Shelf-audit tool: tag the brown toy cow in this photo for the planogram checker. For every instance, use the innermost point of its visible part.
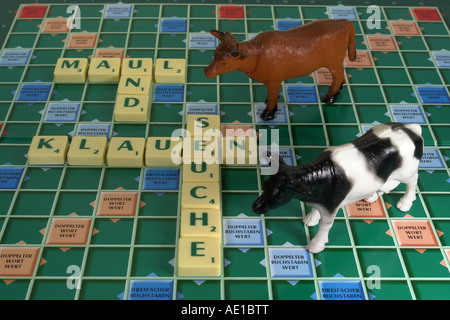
(274, 56)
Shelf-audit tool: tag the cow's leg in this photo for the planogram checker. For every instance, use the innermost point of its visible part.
(317, 244)
(273, 90)
(312, 218)
(388, 187)
(372, 198)
(336, 85)
(405, 202)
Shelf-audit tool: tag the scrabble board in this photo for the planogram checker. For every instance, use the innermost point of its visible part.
(108, 232)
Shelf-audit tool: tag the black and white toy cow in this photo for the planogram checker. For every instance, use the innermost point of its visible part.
(373, 164)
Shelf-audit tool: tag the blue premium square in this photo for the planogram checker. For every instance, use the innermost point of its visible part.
(433, 95)
(290, 262)
(118, 11)
(341, 290)
(243, 232)
(62, 112)
(343, 12)
(173, 25)
(288, 24)
(15, 57)
(280, 114)
(151, 290)
(442, 59)
(168, 93)
(202, 41)
(408, 113)
(431, 160)
(93, 130)
(285, 153)
(34, 92)
(161, 179)
(301, 94)
(10, 177)
(205, 109)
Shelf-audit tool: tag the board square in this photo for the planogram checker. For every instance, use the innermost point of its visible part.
(286, 24)
(364, 209)
(55, 26)
(231, 12)
(18, 261)
(33, 11)
(82, 40)
(94, 129)
(34, 92)
(407, 113)
(204, 109)
(173, 25)
(117, 204)
(150, 290)
(431, 159)
(442, 59)
(118, 11)
(301, 94)
(202, 41)
(237, 130)
(285, 153)
(323, 76)
(62, 112)
(383, 43)
(343, 12)
(362, 60)
(433, 95)
(15, 56)
(426, 14)
(408, 28)
(168, 93)
(10, 177)
(69, 231)
(341, 290)
(161, 179)
(243, 232)
(280, 114)
(415, 233)
(110, 53)
(290, 262)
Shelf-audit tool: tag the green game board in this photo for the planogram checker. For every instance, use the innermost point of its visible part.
(402, 74)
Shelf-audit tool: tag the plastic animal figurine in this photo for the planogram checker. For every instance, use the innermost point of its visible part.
(273, 56)
(373, 164)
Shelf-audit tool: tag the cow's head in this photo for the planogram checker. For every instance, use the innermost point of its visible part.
(228, 55)
(279, 189)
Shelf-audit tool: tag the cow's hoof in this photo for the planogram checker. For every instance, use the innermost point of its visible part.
(312, 219)
(268, 115)
(330, 100)
(404, 204)
(315, 247)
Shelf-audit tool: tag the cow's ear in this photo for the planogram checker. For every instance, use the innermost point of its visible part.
(218, 34)
(230, 37)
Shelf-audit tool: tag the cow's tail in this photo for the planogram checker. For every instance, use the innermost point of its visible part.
(351, 41)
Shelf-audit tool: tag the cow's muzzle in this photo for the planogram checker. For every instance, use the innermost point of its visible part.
(209, 72)
(259, 206)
